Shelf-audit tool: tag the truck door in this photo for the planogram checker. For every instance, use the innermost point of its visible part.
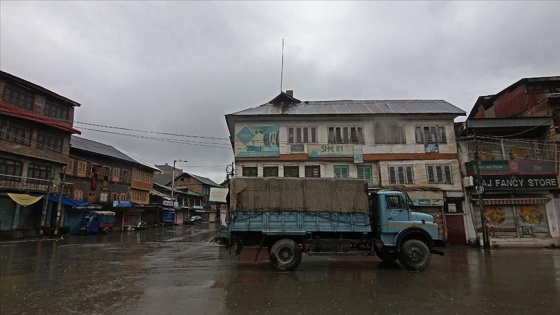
(397, 214)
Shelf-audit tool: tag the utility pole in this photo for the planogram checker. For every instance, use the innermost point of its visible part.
(45, 206)
(59, 208)
(480, 188)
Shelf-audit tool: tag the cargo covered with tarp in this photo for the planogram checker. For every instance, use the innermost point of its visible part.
(266, 194)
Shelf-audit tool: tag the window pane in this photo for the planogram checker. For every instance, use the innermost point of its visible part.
(291, 171)
(313, 137)
(270, 171)
(331, 135)
(290, 135)
(298, 135)
(305, 135)
(431, 174)
(419, 138)
(409, 175)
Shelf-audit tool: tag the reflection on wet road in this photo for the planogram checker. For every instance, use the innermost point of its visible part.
(179, 270)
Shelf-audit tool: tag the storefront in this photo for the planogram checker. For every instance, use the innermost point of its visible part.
(519, 210)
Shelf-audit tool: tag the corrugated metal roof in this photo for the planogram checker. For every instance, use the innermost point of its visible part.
(98, 148)
(204, 180)
(355, 107)
(102, 149)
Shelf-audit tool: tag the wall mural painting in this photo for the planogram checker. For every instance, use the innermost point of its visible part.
(531, 214)
(495, 215)
(256, 140)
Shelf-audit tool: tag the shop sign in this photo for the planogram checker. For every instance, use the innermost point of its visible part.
(122, 204)
(330, 150)
(427, 202)
(519, 182)
(504, 167)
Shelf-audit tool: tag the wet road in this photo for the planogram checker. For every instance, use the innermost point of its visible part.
(179, 270)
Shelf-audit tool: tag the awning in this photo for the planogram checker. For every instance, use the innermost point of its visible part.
(514, 201)
(69, 201)
(24, 199)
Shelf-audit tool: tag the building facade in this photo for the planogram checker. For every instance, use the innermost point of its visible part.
(401, 144)
(104, 176)
(519, 138)
(35, 129)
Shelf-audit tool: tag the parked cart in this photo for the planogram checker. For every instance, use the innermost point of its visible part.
(97, 221)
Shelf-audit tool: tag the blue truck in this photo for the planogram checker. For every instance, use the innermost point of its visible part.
(326, 216)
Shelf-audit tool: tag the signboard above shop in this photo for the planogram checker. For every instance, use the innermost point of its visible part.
(505, 167)
(513, 182)
(122, 204)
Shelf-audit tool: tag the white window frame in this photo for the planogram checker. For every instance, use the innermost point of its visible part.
(427, 134)
(440, 174)
(343, 135)
(302, 134)
(403, 174)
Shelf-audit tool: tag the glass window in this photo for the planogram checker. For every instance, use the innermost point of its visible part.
(250, 171)
(439, 174)
(365, 172)
(305, 134)
(15, 133)
(345, 135)
(430, 134)
(56, 109)
(11, 168)
(388, 133)
(312, 171)
(395, 202)
(38, 173)
(341, 171)
(270, 171)
(49, 141)
(18, 96)
(291, 171)
(401, 174)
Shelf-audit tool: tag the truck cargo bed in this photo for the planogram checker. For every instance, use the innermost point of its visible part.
(297, 222)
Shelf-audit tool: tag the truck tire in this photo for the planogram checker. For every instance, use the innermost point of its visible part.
(385, 255)
(285, 255)
(415, 255)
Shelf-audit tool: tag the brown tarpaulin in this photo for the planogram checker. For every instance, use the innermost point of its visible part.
(298, 194)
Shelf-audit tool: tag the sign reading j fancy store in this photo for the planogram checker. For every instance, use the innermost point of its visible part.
(513, 182)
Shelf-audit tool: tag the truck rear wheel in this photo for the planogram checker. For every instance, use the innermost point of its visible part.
(285, 255)
(415, 255)
(385, 255)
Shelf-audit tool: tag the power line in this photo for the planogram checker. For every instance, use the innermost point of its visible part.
(154, 132)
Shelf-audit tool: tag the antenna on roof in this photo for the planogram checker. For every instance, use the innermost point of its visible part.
(282, 69)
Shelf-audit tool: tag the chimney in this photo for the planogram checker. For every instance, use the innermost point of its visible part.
(290, 93)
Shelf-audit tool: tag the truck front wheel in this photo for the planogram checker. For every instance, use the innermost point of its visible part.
(415, 255)
(285, 255)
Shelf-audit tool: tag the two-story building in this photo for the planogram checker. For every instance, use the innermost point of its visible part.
(404, 144)
(35, 129)
(101, 174)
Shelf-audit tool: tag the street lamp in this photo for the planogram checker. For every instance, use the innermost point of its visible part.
(173, 181)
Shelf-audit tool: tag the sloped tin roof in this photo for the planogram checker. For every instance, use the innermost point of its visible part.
(87, 145)
(356, 107)
(205, 180)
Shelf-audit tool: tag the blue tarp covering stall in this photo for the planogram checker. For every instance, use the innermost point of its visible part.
(72, 218)
(69, 201)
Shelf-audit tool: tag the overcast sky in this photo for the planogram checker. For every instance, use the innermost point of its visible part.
(179, 67)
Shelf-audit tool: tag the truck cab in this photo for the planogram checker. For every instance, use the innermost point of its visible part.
(395, 223)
